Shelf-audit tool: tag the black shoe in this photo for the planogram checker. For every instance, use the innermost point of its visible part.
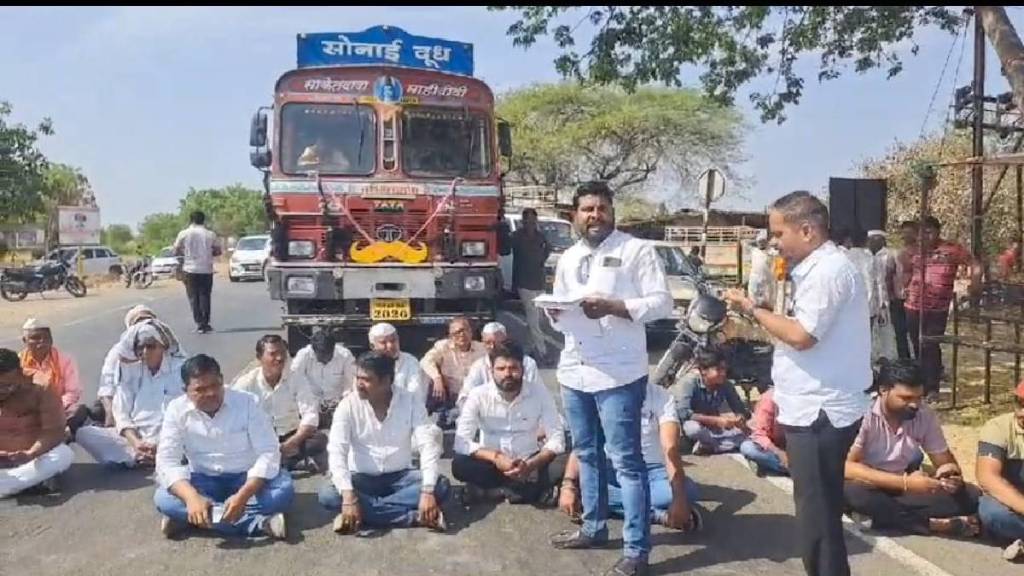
(576, 540)
(628, 567)
(206, 329)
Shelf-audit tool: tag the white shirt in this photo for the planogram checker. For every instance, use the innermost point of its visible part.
(328, 382)
(141, 397)
(359, 443)
(481, 373)
(612, 351)
(659, 408)
(864, 260)
(290, 404)
(410, 377)
(830, 302)
(238, 438)
(510, 427)
(109, 374)
(198, 244)
(885, 266)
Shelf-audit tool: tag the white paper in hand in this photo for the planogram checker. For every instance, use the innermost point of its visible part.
(552, 302)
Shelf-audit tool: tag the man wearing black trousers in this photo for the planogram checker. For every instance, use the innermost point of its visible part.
(821, 368)
(198, 246)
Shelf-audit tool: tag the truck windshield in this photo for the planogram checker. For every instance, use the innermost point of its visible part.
(328, 138)
(445, 143)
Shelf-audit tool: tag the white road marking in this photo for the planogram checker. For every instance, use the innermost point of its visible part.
(883, 544)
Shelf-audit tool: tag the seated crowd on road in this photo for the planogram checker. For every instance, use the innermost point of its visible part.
(223, 451)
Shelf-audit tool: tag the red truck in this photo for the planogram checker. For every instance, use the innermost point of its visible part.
(383, 186)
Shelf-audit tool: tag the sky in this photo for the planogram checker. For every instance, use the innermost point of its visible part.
(150, 101)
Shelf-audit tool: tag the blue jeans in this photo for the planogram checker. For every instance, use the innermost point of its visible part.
(276, 496)
(608, 422)
(719, 441)
(385, 501)
(998, 519)
(766, 461)
(658, 484)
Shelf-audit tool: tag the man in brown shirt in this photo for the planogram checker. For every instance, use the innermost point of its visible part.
(447, 364)
(31, 431)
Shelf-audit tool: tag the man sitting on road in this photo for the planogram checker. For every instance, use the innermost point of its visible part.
(233, 458)
(287, 397)
(31, 431)
(447, 365)
(510, 415)
(700, 395)
(673, 495)
(370, 449)
(766, 447)
(329, 368)
(408, 374)
(103, 415)
(142, 392)
(481, 372)
(1000, 472)
(53, 370)
(880, 482)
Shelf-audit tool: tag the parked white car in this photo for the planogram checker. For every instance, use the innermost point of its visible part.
(249, 258)
(97, 260)
(559, 234)
(165, 264)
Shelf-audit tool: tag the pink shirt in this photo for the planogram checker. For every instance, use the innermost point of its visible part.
(889, 450)
(765, 430)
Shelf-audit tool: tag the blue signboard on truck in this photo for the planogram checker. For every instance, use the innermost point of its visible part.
(386, 45)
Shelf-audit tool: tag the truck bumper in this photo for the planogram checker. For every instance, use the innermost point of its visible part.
(342, 295)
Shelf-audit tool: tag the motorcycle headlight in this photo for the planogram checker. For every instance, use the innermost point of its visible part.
(300, 248)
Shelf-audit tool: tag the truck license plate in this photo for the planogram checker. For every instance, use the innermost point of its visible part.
(385, 310)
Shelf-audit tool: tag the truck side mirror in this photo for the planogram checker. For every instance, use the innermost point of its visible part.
(260, 158)
(258, 129)
(505, 139)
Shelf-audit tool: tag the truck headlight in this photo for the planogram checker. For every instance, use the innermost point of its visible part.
(301, 285)
(474, 283)
(475, 248)
(300, 248)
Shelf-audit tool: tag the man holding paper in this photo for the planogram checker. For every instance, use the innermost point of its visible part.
(620, 285)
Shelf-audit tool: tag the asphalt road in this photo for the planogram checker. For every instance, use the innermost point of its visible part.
(104, 522)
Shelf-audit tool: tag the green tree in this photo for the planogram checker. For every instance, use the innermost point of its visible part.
(230, 211)
(65, 185)
(568, 133)
(159, 230)
(22, 168)
(119, 237)
(733, 45)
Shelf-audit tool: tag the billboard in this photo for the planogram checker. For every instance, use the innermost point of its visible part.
(78, 225)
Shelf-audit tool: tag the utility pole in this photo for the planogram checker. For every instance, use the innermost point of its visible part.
(978, 149)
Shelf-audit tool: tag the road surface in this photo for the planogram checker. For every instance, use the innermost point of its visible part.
(104, 522)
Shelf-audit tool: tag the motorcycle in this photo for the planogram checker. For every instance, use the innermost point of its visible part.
(17, 283)
(140, 273)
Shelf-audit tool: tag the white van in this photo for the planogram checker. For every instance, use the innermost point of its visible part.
(559, 234)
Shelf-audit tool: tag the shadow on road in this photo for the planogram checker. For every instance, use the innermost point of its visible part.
(90, 477)
(729, 537)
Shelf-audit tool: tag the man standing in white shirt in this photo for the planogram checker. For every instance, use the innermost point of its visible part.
(408, 374)
(821, 368)
(603, 370)
(511, 417)
(198, 246)
(494, 334)
(232, 455)
(370, 450)
(329, 367)
(287, 397)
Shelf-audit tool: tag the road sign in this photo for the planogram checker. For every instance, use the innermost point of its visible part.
(711, 185)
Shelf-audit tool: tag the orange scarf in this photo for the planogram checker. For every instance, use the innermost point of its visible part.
(31, 367)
